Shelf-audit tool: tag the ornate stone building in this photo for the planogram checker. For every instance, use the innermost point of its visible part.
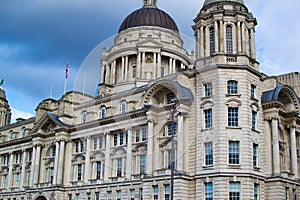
(233, 131)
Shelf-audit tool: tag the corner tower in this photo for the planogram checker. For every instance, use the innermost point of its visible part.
(225, 34)
(5, 113)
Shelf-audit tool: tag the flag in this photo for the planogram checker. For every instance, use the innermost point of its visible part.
(67, 71)
(1, 82)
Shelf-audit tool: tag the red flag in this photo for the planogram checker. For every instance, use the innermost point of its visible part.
(67, 71)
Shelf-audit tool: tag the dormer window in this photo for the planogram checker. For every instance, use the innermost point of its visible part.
(23, 132)
(123, 107)
(102, 113)
(84, 117)
(10, 135)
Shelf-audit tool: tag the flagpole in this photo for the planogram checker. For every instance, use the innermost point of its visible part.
(66, 77)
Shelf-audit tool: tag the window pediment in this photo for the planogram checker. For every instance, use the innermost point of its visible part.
(233, 103)
(207, 105)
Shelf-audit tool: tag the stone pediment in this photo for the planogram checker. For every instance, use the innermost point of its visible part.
(149, 43)
(48, 123)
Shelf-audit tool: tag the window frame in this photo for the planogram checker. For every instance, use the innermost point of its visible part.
(123, 107)
(102, 113)
(255, 155)
(233, 117)
(84, 115)
(208, 118)
(234, 190)
(209, 191)
(212, 40)
(209, 155)
(254, 120)
(234, 157)
(208, 90)
(232, 87)
(229, 39)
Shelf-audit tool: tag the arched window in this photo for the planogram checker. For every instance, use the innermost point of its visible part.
(102, 113)
(10, 135)
(123, 107)
(212, 40)
(23, 132)
(229, 46)
(83, 117)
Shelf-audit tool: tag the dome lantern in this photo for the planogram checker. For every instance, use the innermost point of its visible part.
(207, 2)
(150, 3)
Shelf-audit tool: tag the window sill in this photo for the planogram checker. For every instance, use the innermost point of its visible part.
(256, 131)
(207, 167)
(233, 127)
(233, 95)
(207, 129)
(206, 97)
(256, 168)
(254, 99)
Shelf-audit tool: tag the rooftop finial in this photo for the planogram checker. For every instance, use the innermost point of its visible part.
(150, 3)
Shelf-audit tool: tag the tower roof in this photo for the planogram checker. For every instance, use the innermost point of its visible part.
(207, 2)
(149, 15)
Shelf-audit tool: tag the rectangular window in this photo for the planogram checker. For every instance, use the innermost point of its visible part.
(212, 40)
(234, 152)
(232, 87)
(97, 195)
(255, 155)
(132, 194)
(134, 72)
(234, 191)
(229, 43)
(69, 196)
(17, 179)
(208, 118)
(95, 143)
(144, 134)
(121, 138)
(209, 154)
(142, 164)
(88, 196)
(137, 135)
(109, 195)
(233, 117)
(98, 170)
(256, 191)
(119, 167)
(172, 129)
(208, 89)
(167, 192)
(253, 88)
(119, 195)
(115, 139)
(77, 196)
(162, 71)
(209, 191)
(254, 119)
(287, 195)
(100, 142)
(4, 181)
(51, 174)
(79, 172)
(155, 192)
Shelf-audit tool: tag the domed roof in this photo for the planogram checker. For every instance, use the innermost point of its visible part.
(149, 15)
(207, 2)
(2, 93)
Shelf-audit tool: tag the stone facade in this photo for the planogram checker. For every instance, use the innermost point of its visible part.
(233, 131)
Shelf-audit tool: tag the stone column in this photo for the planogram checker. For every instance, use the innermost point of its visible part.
(138, 65)
(23, 173)
(87, 160)
(216, 37)
(174, 66)
(294, 150)
(158, 65)
(222, 36)
(129, 155)
(126, 69)
(56, 161)
(207, 44)
(113, 73)
(37, 165)
(102, 73)
(32, 166)
(275, 147)
(10, 174)
(154, 66)
(180, 144)
(234, 39)
(243, 38)
(123, 69)
(201, 47)
(247, 42)
(149, 160)
(61, 163)
(107, 158)
(170, 66)
(197, 42)
(107, 74)
(253, 50)
(239, 45)
(143, 65)
(68, 167)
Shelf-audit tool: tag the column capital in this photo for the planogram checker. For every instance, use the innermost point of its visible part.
(292, 125)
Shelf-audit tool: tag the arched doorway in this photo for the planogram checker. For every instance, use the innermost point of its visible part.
(41, 198)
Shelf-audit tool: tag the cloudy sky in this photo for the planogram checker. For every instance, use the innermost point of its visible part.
(39, 37)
